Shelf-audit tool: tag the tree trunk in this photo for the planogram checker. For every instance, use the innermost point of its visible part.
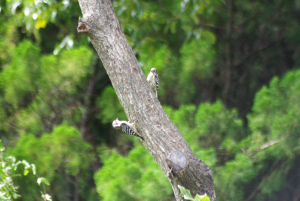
(161, 137)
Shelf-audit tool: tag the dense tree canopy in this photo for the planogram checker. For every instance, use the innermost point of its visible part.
(229, 80)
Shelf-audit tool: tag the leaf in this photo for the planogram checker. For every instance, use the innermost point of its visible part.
(26, 172)
(62, 44)
(195, 19)
(173, 27)
(14, 6)
(53, 15)
(40, 23)
(47, 197)
(15, 196)
(186, 193)
(202, 197)
(208, 36)
(33, 169)
(44, 180)
(26, 164)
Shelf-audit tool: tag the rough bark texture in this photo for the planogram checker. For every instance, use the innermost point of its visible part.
(191, 173)
(140, 104)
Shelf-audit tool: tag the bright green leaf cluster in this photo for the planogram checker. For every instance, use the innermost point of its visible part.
(8, 167)
(19, 78)
(62, 146)
(134, 177)
(110, 107)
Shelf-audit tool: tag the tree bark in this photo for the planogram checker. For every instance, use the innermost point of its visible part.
(161, 137)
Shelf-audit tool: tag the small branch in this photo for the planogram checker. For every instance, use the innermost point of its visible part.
(256, 190)
(263, 47)
(266, 145)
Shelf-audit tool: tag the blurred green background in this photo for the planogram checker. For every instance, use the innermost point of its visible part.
(229, 79)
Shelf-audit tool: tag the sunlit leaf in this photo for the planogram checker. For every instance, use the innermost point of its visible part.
(40, 23)
(53, 15)
(26, 172)
(14, 6)
(208, 36)
(202, 197)
(43, 180)
(33, 169)
(186, 193)
(62, 44)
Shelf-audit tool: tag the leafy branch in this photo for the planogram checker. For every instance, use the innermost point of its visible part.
(8, 163)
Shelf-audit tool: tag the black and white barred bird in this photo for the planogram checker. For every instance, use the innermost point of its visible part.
(126, 127)
(152, 78)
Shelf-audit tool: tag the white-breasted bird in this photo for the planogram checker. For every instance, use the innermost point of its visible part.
(152, 78)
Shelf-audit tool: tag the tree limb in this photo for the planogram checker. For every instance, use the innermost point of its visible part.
(161, 137)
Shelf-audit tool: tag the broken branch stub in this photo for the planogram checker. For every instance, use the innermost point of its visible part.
(191, 173)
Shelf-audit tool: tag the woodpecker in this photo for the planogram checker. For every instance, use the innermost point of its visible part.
(126, 127)
(153, 80)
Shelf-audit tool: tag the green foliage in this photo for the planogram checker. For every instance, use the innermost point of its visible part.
(166, 64)
(235, 175)
(217, 122)
(8, 166)
(134, 177)
(61, 148)
(271, 148)
(274, 123)
(73, 66)
(110, 107)
(148, 22)
(43, 180)
(275, 114)
(194, 123)
(197, 59)
(24, 67)
(45, 81)
(37, 15)
(274, 137)
(187, 42)
(209, 125)
(211, 130)
(180, 76)
(66, 71)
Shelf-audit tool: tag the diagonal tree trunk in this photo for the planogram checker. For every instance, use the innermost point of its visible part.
(161, 137)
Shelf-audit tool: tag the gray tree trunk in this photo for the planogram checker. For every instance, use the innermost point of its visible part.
(161, 137)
